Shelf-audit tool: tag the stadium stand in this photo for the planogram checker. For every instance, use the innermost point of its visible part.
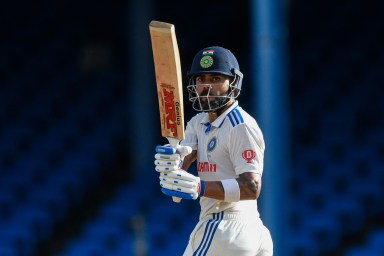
(63, 120)
(336, 82)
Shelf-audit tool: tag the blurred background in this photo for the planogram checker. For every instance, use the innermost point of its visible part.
(79, 123)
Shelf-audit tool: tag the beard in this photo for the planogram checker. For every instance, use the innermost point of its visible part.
(207, 105)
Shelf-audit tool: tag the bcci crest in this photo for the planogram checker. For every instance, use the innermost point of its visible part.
(206, 61)
(248, 155)
(212, 144)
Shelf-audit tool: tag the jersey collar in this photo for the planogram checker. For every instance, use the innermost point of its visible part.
(219, 120)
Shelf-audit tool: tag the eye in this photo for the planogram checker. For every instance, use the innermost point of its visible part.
(199, 79)
(216, 79)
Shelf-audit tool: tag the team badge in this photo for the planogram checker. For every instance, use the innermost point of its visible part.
(248, 155)
(206, 61)
(212, 144)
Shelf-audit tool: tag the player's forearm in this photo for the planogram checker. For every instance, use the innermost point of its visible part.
(214, 189)
(189, 159)
(249, 185)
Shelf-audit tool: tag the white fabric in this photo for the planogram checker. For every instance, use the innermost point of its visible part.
(231, 190)
(220, 153)
(230, 234)
(228, 147)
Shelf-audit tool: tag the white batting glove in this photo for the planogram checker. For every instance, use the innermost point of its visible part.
(181, 184)
(170, 159)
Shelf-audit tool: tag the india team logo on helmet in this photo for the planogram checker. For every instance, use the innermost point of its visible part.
(207, 61)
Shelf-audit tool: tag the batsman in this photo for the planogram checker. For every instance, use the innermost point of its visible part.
(228, 146)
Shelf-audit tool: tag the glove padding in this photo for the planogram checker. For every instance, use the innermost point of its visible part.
(170, 159)
(181, 184)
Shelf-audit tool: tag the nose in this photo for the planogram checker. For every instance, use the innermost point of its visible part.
(203, 87)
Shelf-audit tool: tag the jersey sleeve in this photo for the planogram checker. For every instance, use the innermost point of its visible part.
(247, 149)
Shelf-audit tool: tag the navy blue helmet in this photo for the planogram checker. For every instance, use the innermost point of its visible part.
(214, 60)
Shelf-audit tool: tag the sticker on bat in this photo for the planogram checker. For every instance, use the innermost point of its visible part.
(172, 111)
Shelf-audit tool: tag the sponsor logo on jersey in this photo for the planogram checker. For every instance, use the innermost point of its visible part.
(212, 144)
(248, 155)
(206, 167)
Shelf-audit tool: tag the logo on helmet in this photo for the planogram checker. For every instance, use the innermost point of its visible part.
(206, 61)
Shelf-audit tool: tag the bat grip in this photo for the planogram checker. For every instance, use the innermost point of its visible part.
(176, 199)
(174, 143)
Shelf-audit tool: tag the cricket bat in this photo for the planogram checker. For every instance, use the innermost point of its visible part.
(168, 82)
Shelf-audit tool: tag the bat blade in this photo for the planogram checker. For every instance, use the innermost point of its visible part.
(168, 82)
(168, 79)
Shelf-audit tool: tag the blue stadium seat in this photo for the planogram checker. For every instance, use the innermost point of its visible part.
(36, 218)
(324, 229)
(80, 249)
(302, 244)
(104, 230)
(7, 250)
(17, 236)
(348, 212)
(52, 199)
(376, 240)
(119, 212)
(126, 247)
(362, 251)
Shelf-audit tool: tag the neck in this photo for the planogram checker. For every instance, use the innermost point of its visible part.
(215, 114)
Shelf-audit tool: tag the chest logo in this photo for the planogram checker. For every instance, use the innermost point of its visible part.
(248, 155)
(212, 144)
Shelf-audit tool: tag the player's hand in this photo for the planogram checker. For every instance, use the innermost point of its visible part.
(170, 159)
(181, 184)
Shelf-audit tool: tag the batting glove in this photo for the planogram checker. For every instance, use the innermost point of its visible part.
(170, 159)
(181, 184)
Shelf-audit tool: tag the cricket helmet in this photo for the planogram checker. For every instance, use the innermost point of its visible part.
(214, 60)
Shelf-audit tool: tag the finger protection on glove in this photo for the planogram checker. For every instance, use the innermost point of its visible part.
(180, 181)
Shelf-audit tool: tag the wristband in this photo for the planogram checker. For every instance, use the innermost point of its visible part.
(202, 188)
(231, 190)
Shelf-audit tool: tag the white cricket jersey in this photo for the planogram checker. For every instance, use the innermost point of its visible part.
(231, 145)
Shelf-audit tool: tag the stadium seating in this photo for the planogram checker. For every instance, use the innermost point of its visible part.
(374, 245)
(60, 120)
(337, 124)
(54, 130)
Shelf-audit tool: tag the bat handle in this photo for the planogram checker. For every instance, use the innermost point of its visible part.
(174, 143)
(176, 199)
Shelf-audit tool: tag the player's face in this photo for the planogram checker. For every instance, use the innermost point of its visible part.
(212, 85)
(212, 91)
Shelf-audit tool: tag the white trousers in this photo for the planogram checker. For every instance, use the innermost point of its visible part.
(222, 234)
